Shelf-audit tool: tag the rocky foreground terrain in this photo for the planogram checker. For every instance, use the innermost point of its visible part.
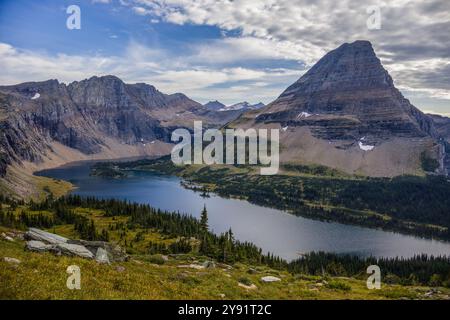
(101, 251)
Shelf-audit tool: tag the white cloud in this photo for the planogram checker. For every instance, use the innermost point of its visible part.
(413, 44)
(413, 32)
(156, 67)
(445, 114)
(140, 11)
(242, 49)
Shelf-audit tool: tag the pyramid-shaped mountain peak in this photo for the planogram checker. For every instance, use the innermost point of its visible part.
(347, 95)
(352, 66)
(346, 113)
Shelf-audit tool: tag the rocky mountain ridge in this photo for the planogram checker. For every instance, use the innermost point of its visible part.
(346, 113)
(240, 106)
(214, 105)
(49, 123)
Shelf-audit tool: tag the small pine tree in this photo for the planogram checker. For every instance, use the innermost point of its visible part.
(204, 219)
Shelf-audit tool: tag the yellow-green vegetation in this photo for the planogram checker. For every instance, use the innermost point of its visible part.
(23, 185)
(151, 275)
(46, 186)
(43, 276)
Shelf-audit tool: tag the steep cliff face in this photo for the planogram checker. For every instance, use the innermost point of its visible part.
(442, 125)
(101, 117)
(345, 112)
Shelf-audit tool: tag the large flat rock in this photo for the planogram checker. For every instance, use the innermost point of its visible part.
(38, 246)
(46, 237)
(74, 249)
(102, 252)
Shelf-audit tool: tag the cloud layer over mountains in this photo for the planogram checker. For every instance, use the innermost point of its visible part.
(264, 46)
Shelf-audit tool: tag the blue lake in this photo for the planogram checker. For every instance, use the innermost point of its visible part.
(273, 230)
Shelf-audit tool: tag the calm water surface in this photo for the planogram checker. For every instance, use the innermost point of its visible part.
(273, 230)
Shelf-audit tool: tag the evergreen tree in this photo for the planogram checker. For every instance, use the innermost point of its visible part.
(204, 219)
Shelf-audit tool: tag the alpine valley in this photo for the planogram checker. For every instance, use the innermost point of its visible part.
(344, 113)
(353, 151)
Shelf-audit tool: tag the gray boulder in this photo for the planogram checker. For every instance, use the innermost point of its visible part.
(38, 246)
(8, 238)
(46, 237)
(115, 252)
(209, 264)
(102, 256)
(103, 252)
(75, 250)
(11, 260)
(270, 279)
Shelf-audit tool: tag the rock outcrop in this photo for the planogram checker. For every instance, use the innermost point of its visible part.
(102, 252)
(44, 237)
(346, 113)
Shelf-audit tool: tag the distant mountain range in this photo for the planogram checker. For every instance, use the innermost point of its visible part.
(44, 124)
(240, 106)
(214, 105)
(345, 113)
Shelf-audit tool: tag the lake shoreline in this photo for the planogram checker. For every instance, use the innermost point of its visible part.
(165, 192)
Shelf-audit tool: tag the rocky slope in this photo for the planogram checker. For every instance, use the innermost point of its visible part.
(442, 125)
(48, 123)
(346, 113)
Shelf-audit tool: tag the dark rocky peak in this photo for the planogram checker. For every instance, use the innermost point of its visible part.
(147, 95)
(34, 90)
(214, 105)
(144, 89)
(351, 66)
(258, 105)
(104, 92)
(181, 100)
(350, 90)
(106, 82)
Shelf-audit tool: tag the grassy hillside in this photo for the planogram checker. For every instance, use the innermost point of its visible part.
(154, 271)
(20, 184)
(43, 276)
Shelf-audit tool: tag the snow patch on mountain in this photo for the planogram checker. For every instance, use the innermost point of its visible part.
(304, 115)
(365, 147)
(242, 106)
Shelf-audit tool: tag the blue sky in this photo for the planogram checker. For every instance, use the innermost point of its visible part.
(226, 50)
